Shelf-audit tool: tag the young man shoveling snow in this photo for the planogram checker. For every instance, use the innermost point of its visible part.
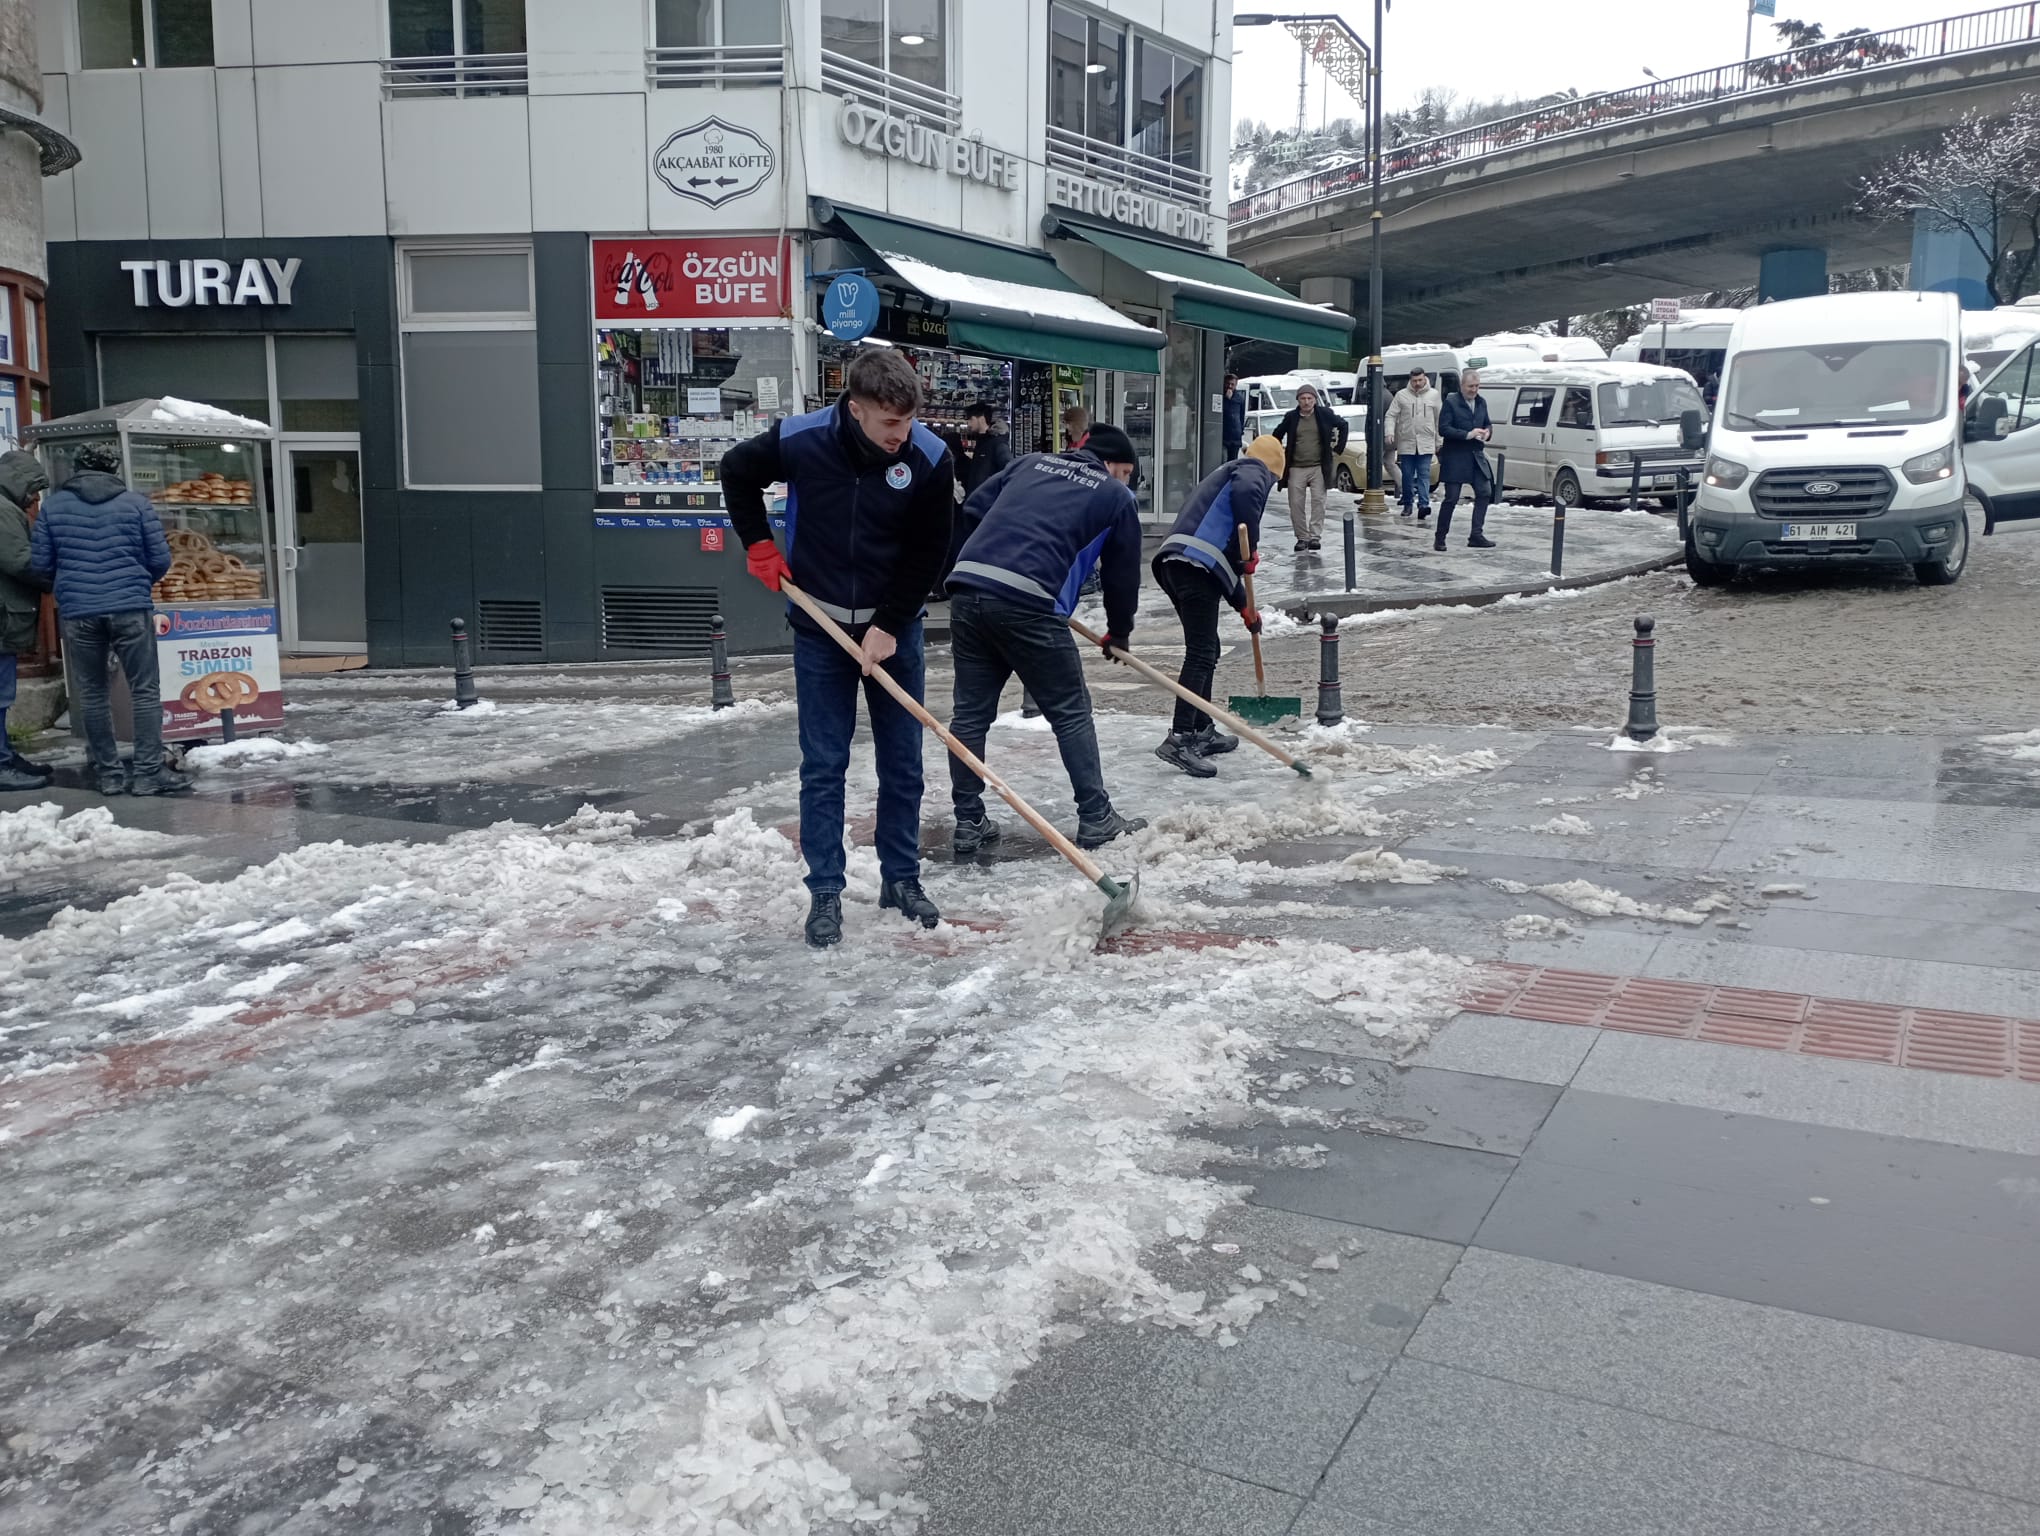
(869, 497)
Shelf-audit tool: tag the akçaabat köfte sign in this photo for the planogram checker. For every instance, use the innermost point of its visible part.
(650, 282)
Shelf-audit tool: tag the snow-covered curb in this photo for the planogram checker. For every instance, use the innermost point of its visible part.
(40, 837)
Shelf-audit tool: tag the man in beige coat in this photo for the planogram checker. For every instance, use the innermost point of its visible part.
(1412, 432)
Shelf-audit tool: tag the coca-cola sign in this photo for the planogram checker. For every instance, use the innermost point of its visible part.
(702, 279)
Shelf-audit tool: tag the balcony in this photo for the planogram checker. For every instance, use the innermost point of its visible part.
(715, 68)
(896, 94)
(1081, 156)
(465, 74)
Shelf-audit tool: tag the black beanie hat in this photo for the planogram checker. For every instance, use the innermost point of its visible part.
(1111, 445)
(97, 456)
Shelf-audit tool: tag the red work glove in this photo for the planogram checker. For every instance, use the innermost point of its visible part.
(1251, 617)
(1253, 563)
(1108, 645)
(767, 563)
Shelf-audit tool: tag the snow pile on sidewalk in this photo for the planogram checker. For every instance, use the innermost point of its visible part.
(1591, 900)
(40, 837)
(2024, 746)
(247, 751)
(572, 1156)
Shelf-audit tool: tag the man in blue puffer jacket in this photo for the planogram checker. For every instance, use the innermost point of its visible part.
(1199, 563)
(102, 546)
(1030, 537)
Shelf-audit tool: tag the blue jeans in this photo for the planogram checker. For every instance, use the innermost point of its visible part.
(990, 640)
(130, 638)
(825, 683)
(1416, 479)
(7, 671)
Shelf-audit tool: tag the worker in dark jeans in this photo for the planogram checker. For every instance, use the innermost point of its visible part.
(1033, 533)
(1199, 566)
(869, 499)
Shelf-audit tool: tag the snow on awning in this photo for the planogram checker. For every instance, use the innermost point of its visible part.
(1007, 301)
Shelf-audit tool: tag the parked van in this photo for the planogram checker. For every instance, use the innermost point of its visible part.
(1576, 431)
(1838, 439)
(1696, 342)
(1513, 348)
(2001, 438)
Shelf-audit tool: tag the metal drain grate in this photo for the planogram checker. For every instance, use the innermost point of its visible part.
(672, 620)
(512, 624)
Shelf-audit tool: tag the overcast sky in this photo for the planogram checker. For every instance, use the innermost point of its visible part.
(1485, 49)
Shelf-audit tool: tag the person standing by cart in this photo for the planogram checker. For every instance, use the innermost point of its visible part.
(21, 481)
(102, 547)
(870, 494)
(1200, 563)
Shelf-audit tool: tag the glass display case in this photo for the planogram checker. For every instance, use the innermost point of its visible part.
(216, 623)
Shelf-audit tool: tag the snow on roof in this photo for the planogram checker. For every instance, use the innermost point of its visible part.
(191, 413)
(1592, 371)
(2008, 325)
(1238, 296)
(1019, 298)
(1834, 317)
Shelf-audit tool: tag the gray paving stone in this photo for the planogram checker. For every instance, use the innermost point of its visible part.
(1326, 1520)
(1452, 1109)
(1271, 1410)
(1372, 1181)
(1527, 1049)
(1908, 1235)
(1442, 1451)
(1725, 960)
(1999, 1114)
(1918, 1406)
(1810, 923)
(1933, 844)
(1373, 1300)
(1016, 1478)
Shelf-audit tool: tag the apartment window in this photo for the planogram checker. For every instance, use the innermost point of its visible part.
(716, 23)
(430, 29)
(145, 34)
(908, 38)
(1116, 88)
(470, 365)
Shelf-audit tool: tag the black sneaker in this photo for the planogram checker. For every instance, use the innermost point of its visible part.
(1409, 512)
(908, 899)
(21, 764)
(1316, 545)
(973, 837)
(1096, 834)
(825, 920)
(15, 781)
(1180, 751)
(162, 783)
(1437, 546)
(1424, 516)
(1211, 741)
(1301, 546)
(1477, 542)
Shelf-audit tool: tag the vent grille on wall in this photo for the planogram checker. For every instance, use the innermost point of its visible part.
(674, 620)
(512, 624)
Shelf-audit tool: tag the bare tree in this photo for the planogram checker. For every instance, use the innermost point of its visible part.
(1981, 181)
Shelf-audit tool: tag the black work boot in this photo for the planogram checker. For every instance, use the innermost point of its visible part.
(908, 899)
(1211, 741)
(22, 764)
(974, 837)
(1096, 834)
(1180, 751)
(825, 920)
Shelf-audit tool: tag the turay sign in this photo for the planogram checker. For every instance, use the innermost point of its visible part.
(208, 281)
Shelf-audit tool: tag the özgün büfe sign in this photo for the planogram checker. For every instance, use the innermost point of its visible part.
(879, 132)
(212, 659)
(684, 282)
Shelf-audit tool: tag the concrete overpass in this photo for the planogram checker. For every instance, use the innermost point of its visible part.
(1676, 188)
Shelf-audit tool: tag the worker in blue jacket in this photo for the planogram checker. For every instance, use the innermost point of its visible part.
(1031, 536)
(1198, 564)
(869, 497)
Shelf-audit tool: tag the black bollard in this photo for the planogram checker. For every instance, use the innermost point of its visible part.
(1643, 682)
(1684, 499)
(1557, 537)
(1635, 480)
(464, 695)
(226, 725)
(720, 694)
(1029, 710)
(1331, 705)
(1352, 551)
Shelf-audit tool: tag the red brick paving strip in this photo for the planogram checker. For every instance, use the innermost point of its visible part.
(1931, 1039)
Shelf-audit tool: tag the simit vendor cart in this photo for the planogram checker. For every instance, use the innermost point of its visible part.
(216, 633)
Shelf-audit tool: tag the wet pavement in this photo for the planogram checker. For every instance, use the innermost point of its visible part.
(1671, 1182)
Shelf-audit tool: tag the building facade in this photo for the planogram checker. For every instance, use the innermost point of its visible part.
(507, 276)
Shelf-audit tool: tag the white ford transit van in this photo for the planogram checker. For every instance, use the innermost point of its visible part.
(2001, 441)
(1837, 438)
(1580, 432)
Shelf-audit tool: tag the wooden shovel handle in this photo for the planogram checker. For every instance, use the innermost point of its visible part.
(914, 707)
(1246, 554)
(1119, 653)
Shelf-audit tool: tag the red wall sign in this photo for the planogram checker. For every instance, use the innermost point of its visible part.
(681, 282)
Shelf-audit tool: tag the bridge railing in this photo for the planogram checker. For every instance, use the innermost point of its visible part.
(1850, 54)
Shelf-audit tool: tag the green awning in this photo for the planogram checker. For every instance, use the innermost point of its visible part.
(1219, 294)
(1005, 300)
(1048, 347)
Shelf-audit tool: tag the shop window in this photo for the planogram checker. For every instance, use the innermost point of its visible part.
(672, 402)
(229, 372)
(908, 38)
(317, 389)
(1168, 122)
(138, 34)
(470, 368)
(715, 24)
(24, 390)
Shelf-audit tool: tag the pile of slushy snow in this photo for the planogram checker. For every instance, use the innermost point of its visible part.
(2022, 745)
(41, 837)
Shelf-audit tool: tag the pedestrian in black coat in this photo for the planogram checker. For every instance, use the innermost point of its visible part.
(1462, 460)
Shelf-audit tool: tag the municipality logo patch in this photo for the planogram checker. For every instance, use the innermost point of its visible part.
(899, 477)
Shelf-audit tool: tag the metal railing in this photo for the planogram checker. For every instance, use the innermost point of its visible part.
(463, 74)
(1795, 68)
(1073, 152)
(894, 93)
(715, 68)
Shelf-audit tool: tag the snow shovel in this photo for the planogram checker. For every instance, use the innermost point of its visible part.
(1168, 682)
(1119, 895)
(1260, 708)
